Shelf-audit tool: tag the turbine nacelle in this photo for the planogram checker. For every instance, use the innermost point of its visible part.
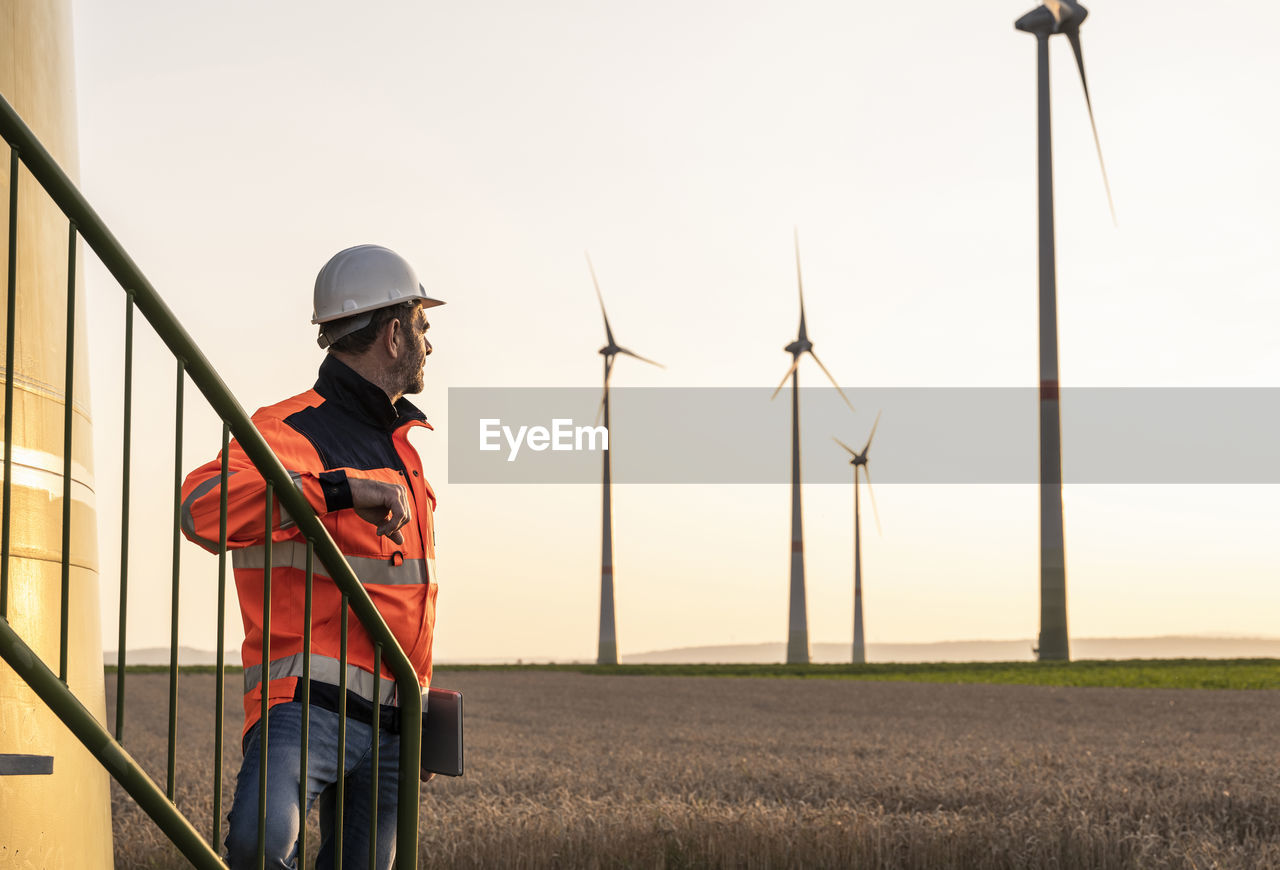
(861, 458)
(1039, 21)
(799, 346)
(859, 463)
(1054, 16)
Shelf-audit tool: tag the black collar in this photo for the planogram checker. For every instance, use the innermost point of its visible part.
(340, 383)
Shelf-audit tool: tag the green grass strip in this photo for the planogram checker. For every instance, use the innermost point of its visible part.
(1128, 673)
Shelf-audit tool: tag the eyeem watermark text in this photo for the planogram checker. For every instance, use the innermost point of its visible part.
(562, 435)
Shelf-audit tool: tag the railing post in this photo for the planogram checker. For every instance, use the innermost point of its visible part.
(263, 687)
(408, 788)
(340, 797)
(306, 708)
(11, 308)
(69, 381)
(220, 687)
(373, 751)
(177, 550)
(124, 510)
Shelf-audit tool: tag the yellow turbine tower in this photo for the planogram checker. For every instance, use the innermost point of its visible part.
(60, 818)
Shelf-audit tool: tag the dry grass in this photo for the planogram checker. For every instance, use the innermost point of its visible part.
(571, 770)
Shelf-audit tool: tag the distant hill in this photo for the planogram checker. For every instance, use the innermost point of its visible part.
(975, 651)
(948, 651)
(159, 655)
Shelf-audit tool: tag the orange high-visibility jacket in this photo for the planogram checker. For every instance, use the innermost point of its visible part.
(343, 427)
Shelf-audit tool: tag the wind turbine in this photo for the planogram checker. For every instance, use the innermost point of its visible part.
(1065, 17)
(859, 463)
(797, 616)
(607, 652)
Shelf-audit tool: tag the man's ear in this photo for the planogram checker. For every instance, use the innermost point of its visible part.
(392, 338)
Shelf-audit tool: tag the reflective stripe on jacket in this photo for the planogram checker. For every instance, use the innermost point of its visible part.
(344, 427)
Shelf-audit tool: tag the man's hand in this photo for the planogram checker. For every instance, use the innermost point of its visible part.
(385, 505)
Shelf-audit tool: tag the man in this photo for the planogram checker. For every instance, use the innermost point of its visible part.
(345, 444)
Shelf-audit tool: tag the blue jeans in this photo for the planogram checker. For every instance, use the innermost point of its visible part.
(284, 764)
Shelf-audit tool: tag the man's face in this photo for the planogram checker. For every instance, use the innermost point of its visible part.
(410, 364)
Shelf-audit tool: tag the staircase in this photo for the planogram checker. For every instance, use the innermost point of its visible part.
(49, 679)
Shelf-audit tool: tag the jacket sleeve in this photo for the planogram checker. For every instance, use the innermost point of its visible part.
(326, 491)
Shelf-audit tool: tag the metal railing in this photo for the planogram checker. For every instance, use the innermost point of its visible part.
(52, 687)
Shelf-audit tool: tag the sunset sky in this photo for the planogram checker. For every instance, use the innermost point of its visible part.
(233, 149)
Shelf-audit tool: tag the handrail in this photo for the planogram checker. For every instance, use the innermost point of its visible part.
(113, 256)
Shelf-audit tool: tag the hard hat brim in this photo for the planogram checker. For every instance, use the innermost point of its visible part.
(420, 296)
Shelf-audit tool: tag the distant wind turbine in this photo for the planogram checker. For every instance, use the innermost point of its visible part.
(797, 617)
(859, 463)
(607, 652)
(1065, 17)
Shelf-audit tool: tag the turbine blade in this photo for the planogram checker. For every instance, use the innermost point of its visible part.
(799, 282)
(830, 378)
(867, 446)
(1055, 8)
(866, 469)
(852, 452)
(631, 353)
(1073, 36)
(607, 331)
(783, 382)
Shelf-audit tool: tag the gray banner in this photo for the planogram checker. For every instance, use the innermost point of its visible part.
(926, 435)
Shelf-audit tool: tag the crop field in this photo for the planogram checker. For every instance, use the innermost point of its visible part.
(570, 769)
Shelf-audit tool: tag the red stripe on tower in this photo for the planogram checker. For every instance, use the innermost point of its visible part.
(1049, 391)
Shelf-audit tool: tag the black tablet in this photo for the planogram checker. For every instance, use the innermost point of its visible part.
(442, 733)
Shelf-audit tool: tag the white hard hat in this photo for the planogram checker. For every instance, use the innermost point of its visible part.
(358, 281)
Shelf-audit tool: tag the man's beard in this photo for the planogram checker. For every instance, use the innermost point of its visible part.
(409, 371)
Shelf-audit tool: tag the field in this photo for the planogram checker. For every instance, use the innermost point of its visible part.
(570, 769)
